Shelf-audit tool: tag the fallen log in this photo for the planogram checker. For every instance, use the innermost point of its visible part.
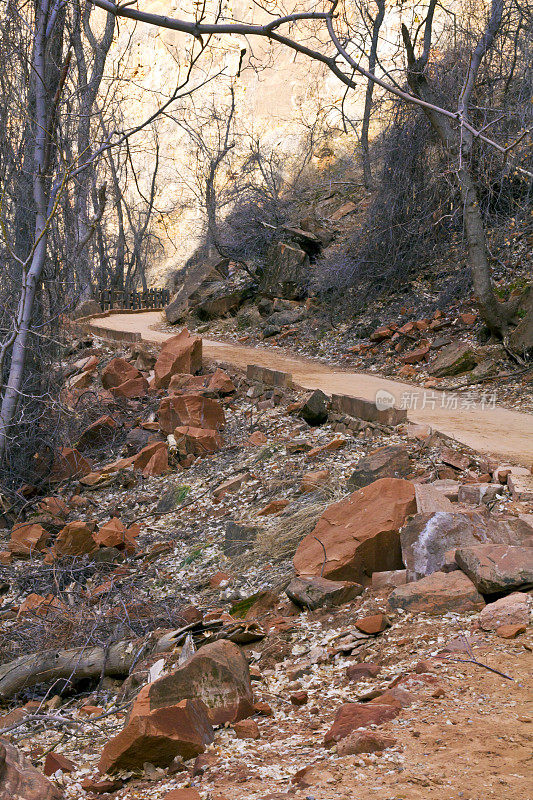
(117, 660)
(79, 662)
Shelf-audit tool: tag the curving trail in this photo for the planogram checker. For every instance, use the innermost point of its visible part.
(499, 432)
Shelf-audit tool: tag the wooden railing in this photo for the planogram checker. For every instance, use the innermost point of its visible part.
(118, 298)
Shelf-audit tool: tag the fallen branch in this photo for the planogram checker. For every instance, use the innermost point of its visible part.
(116, 660)
(79, 662)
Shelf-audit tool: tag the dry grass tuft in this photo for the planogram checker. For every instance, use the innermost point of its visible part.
(279, 539)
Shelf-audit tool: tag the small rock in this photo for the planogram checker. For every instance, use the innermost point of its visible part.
(313, 593)
(507, 611)
(366, 742)
(247, 729)
(311, 481)
(57, 761)
(510, 631)
(389, 579)
(359, 672)
(373, 624)
(274, 507)
(299, 698)
(351, 716)
(314, 409)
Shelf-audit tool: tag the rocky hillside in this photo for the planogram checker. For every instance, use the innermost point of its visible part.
(234, 589)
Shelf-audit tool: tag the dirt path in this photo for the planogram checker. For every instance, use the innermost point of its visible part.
(490, 429)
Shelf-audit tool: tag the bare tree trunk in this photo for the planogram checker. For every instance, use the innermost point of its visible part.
(372, 60)
(458, 145)
(89, 86)
(32, 267)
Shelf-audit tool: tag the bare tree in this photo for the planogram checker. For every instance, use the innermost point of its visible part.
(454, 127)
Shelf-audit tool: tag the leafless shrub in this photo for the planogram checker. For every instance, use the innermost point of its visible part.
(415, 217)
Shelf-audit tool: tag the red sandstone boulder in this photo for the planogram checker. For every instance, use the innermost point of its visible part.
(360, 534)
(19, 780)
(217, 674)
(54, 506)
(497, 568)
(183, 729)
(316, 593)
(437, 594)
(513, 609)
(75, 539)
(191, 410)
(98, 433)
(118, 371)
(197, 441)
(351, 716)
(220, 383)
(28, 538)
(115, 534)
(152, 459)
(130, 389)
(182, 353)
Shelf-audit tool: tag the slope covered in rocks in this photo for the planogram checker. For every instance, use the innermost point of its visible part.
(232, 590)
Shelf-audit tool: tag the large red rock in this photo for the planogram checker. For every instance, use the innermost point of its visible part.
(217, 674)
(115, 534)
(426, 538)
(69, 464)
(19, 780)
(190, 409)
(152, 459)
(513, 609)
(351, 716)
(118, 371)
(28, 538)
(220, 383)
(54, 506)
(497, 568)
(75, 539)
(98, 433)
(437, 594)
(360, 534)
(197, 441)
(183, 729)
(181, 353)
(130, 389)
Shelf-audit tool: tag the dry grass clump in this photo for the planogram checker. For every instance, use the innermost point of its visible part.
(278, 540)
